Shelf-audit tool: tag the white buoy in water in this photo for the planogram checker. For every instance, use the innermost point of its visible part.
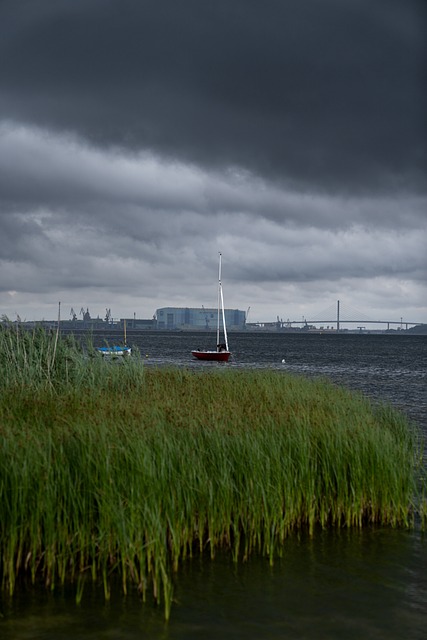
(283, 361)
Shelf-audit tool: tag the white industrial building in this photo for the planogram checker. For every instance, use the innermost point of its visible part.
(181, 318)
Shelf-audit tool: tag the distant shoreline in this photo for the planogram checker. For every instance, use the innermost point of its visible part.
(101, 328)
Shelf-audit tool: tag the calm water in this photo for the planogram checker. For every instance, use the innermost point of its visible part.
(369, 584)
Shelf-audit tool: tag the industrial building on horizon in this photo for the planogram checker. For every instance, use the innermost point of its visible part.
(174, 318)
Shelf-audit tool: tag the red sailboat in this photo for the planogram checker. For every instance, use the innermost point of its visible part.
(221, 353)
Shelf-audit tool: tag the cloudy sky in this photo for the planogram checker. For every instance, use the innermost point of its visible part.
(140, 137)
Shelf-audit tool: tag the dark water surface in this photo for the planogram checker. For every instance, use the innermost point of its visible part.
(345, 584)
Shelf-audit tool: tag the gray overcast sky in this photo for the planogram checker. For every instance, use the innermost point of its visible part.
(138, 138)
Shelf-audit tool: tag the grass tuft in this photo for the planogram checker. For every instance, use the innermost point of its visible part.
(112, 468)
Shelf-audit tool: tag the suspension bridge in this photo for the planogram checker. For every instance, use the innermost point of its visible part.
(338, 316)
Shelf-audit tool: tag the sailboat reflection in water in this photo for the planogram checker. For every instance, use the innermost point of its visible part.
(222, 353)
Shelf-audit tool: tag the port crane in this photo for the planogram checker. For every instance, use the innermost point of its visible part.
(85, 314)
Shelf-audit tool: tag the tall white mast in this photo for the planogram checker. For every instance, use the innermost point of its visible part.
(221, 301)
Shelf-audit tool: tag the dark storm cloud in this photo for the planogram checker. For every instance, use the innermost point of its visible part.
(58, 174)
(137, 139)
(329, 93)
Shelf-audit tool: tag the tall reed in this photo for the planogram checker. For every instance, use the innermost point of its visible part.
(126, 470)
(37, 360)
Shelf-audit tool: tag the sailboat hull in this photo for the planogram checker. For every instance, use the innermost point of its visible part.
(216, 356)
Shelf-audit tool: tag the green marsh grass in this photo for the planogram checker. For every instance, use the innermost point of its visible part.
(112, 468)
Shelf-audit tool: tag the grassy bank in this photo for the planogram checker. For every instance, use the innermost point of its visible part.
(110, 468)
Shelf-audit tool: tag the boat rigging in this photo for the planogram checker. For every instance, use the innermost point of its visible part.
(222, 353)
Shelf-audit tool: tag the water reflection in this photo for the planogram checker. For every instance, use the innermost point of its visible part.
(339, 584)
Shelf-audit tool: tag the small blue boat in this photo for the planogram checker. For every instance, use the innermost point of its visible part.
(117, 350)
